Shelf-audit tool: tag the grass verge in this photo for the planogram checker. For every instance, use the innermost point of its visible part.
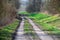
(43, 21)
(28, 29)
(7, 31)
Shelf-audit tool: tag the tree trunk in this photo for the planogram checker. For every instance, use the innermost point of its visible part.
(52, 6)
(7, 11)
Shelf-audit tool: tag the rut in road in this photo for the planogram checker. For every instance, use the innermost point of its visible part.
(21, 34)
(40, 33)
(29, 32)
(20, 31)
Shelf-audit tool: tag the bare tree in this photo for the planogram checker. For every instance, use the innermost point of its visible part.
(7, 11)
(52, 6)
(34, 6)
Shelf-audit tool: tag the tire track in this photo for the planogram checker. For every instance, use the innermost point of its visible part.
(30, 35)
(39, 32)
(20, 31)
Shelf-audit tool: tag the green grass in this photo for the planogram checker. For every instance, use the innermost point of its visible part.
(46, 22)
(38, 16)
(50, 19)
(23, 12)
(47, 27)
(7, 31)
(29, 31)
(55, 23)
(27, 27)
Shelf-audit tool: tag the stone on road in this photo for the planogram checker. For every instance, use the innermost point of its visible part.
(40, 33)
(20, 32)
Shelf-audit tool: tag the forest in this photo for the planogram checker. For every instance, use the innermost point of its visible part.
(30, 18)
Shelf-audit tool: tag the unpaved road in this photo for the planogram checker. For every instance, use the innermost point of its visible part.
(20, 32)
(40, 33)
(22, 36)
